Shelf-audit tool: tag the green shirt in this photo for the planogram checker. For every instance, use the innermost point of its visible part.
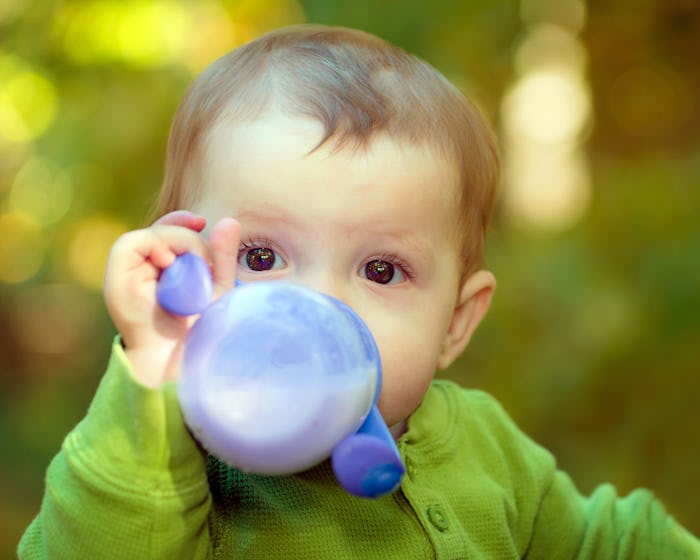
(130, 482)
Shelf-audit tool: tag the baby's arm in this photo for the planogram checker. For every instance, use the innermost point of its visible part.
(605, 525)
(130, 482)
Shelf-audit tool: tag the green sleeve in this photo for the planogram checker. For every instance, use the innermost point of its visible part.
(605, 525)
(129, 481)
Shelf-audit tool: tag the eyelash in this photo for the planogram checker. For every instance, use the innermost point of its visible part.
(253, 242)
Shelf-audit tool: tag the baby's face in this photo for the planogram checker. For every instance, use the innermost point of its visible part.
(374, 228)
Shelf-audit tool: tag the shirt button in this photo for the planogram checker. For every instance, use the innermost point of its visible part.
(410, 469)
(437, 518)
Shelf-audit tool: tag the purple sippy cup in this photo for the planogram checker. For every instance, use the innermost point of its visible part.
(277, 378)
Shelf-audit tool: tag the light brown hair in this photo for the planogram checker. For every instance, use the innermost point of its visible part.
(356, 85)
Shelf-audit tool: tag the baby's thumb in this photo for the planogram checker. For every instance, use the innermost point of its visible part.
(224, 239)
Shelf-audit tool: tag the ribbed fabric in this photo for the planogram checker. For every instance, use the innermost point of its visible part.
(131, 483)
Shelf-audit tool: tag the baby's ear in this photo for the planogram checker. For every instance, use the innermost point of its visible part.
(473, 302)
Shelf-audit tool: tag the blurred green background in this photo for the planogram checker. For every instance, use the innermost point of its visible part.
(592, 343)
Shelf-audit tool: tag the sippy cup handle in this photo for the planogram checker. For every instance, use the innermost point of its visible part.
(185, 287)
(366, 463)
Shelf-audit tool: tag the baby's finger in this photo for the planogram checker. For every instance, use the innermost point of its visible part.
(181, 240)
(183, 218)
(158, 245)
(224, 239)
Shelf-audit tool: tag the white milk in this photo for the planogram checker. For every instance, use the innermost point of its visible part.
(279, 429)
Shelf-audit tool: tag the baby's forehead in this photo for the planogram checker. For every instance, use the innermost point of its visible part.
(275, 138)
(312, 138)
(276, 150)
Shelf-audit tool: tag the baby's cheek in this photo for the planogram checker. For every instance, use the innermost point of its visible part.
(406, 376)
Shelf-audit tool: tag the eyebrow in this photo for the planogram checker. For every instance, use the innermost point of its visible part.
(276, 217)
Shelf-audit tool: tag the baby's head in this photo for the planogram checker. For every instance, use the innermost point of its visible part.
(357, 170)
(356, 86)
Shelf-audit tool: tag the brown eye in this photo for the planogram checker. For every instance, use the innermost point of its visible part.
(260, 259)
(381, 272)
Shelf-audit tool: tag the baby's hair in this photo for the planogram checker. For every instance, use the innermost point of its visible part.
(356, 85)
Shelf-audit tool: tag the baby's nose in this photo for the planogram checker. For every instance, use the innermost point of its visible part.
(326, 282)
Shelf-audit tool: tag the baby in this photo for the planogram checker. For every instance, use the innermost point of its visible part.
(329, 158)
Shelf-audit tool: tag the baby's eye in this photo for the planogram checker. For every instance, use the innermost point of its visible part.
(382, 272)
(260, 259)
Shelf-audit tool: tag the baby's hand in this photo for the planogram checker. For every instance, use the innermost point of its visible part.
(153, 337)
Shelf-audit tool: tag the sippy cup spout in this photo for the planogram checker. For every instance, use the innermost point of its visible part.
(368, 463)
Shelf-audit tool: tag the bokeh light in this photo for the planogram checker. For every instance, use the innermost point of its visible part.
(566, 14)
(157, 33)
(42, 191)
(22, 249)
(28, 101)
(142, 34)
(89, 248)
(545, 47)
(545, 115)
(549, 107)
(211, 33)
